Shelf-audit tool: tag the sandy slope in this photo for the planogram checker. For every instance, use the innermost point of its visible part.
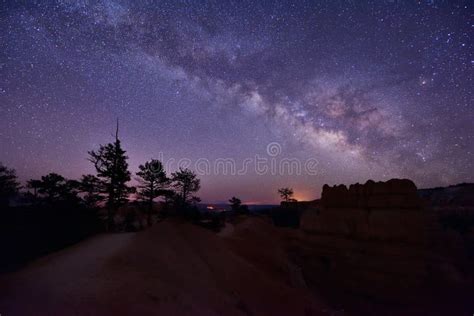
(172, 269)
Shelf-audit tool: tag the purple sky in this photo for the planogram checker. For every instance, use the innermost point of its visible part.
(368, 91)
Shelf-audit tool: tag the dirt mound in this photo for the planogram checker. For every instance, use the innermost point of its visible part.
(174, 268)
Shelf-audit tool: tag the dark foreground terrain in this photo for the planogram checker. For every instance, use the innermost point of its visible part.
(176, 268)
(172, 269)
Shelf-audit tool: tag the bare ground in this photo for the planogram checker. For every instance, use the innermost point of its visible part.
(174, 268)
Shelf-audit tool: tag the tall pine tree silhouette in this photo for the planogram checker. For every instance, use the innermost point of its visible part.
(111, 165)
(153, 183)
(185, 183)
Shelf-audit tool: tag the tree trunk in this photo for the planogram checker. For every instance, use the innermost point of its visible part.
(150, 209)
(110, 219)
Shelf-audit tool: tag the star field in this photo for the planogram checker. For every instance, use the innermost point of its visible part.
(376, 90)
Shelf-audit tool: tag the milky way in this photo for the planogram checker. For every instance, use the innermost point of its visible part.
(368, 91)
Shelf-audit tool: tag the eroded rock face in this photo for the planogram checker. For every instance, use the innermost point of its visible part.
(376, 239)
(395, 193)
(375, 210)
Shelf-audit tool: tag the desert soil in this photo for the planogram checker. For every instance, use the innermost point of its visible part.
(174, 268)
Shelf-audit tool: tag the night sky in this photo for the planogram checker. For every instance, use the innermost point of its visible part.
(369, 91)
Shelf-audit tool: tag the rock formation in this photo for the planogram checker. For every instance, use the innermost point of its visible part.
(395, 193)
(377, 239)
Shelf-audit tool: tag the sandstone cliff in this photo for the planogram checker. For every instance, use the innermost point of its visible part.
(378, 239)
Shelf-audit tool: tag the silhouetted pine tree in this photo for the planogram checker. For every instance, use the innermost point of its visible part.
(111, 165)
(8, 185)
(34, 185)
(235, 204)
(153, 183)
(237, 207)
(54, 189)
(92, 187)
(286, 194)
(185, 183)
